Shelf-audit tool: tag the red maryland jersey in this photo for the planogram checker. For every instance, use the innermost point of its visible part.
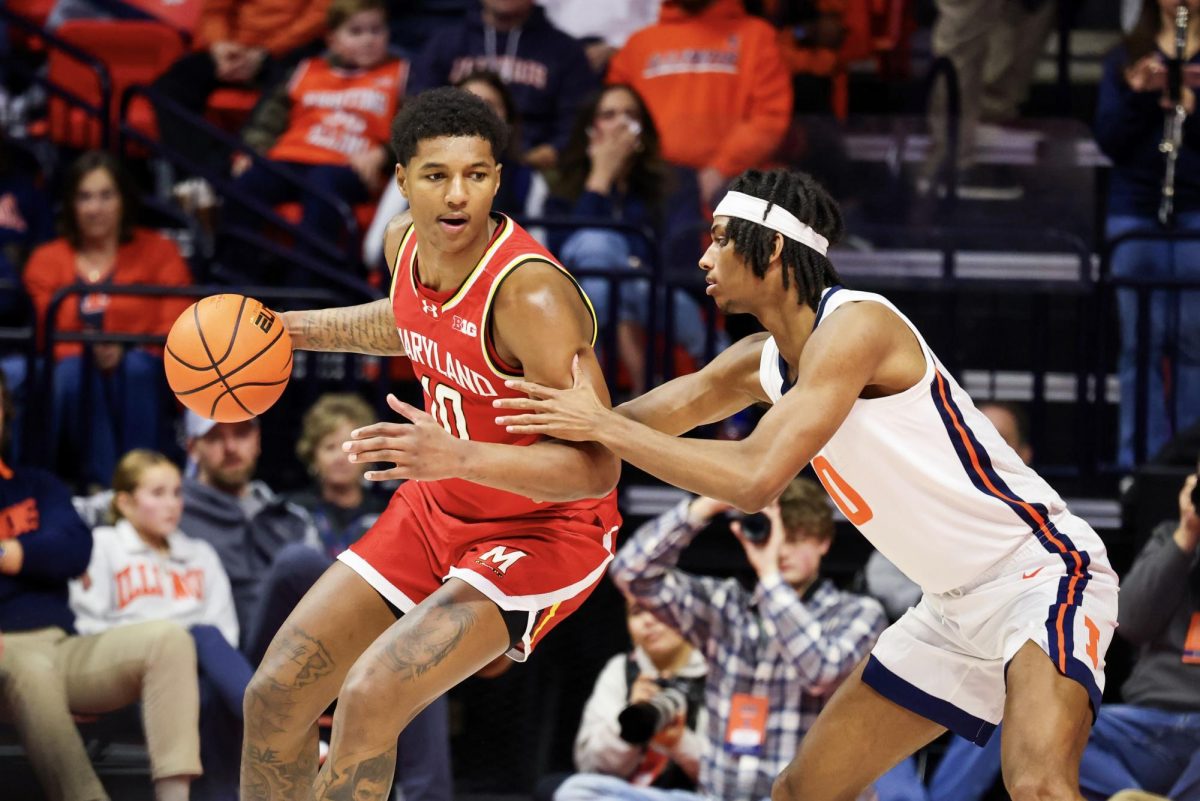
(337, 113)
(445, 334)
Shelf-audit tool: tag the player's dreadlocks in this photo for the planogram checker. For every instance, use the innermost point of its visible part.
(808, 201)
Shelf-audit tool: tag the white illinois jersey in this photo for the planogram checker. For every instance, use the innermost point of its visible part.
(927, 479)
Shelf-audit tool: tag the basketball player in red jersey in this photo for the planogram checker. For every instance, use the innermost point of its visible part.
(494, 538)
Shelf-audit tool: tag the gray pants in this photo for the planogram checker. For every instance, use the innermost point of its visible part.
(46, 674)
(994, 46)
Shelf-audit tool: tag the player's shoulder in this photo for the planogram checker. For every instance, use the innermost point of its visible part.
(858, 319)
(393, 235)
(537, 283)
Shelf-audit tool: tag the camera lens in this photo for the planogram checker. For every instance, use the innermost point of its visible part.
(756, 527)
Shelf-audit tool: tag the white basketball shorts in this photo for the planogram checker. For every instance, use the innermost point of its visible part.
(945, 659)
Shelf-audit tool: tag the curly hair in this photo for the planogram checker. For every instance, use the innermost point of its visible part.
(445, 111)
(807, 200)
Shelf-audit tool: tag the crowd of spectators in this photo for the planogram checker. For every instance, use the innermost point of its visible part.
(629, 118)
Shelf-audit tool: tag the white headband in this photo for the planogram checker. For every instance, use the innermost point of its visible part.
(748, 207)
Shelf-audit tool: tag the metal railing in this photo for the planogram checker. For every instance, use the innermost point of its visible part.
(1144, 288)
(225, 185)
(99, 113)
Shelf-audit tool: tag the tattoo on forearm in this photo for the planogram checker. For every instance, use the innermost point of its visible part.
(414, 652)
(369, 779)
(369, 328)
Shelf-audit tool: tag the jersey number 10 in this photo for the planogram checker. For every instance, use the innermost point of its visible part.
(445, 405)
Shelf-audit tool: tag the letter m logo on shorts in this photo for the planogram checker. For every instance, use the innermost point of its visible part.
(500, 558)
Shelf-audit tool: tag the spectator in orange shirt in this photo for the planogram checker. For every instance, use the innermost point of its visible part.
(817, 39)
(101, 246)
(716, 86)
(329, 123)
(240, 43)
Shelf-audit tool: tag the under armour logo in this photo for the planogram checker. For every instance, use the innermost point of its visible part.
(430, 308)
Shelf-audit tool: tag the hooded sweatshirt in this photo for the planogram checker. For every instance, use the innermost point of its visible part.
(246, 533)
(36, 510)
(279, 26)
(715, 83)
(545, 69)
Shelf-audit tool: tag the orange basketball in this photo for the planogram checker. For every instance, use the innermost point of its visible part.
(228, 358)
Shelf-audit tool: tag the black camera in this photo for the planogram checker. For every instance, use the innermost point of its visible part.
(756, 527)
(641, 721)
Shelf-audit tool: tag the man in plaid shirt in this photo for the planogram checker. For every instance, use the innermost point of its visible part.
(781, 650)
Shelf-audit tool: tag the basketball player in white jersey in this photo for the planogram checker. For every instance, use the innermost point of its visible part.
(1019, 601)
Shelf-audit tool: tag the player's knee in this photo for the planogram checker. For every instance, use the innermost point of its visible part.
(787, 786)
(372, 693)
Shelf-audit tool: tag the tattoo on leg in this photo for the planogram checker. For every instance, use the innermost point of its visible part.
(296, 663)
(266, 776)
(300, 661)
(367, 780)
(413, 653)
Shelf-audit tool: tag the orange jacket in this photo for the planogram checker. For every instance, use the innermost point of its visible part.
(715, 84)
(278, 25)
(148, 258)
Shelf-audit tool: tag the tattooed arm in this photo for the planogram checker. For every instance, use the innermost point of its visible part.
(369, 328)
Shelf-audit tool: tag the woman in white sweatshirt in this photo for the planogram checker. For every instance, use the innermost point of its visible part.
(144, 568)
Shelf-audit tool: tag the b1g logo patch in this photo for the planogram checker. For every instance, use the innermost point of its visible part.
(464, 326)
(499, 559)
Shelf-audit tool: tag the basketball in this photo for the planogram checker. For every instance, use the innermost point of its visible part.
(228, 358)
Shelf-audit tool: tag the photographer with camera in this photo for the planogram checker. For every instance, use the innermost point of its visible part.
(774, 655)
(1152, 741)
(641, 726)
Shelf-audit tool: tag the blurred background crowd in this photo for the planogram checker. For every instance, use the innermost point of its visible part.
(1021, 177)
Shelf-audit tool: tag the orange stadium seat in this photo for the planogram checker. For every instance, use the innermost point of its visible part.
(36, 11)
(229, 107)
(134, 52)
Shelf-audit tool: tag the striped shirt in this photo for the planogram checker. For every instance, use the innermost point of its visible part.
(774, 644)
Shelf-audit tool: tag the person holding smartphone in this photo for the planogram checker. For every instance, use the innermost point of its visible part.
(612, 169)
(1151, 742)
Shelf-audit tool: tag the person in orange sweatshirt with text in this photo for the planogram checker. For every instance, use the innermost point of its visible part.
(716, 85)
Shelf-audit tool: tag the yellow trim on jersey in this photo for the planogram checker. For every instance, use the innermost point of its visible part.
(398, 266)
(509, 227)
(500, 276)
(546, 619)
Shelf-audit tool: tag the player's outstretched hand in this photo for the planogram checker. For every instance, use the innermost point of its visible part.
(420, 449)
(573, 414)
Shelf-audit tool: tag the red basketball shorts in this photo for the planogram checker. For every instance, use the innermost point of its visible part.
(544, 565)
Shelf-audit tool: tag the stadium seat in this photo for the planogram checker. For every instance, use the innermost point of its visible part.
(36, 11)
(134, 52)
(229, 107)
